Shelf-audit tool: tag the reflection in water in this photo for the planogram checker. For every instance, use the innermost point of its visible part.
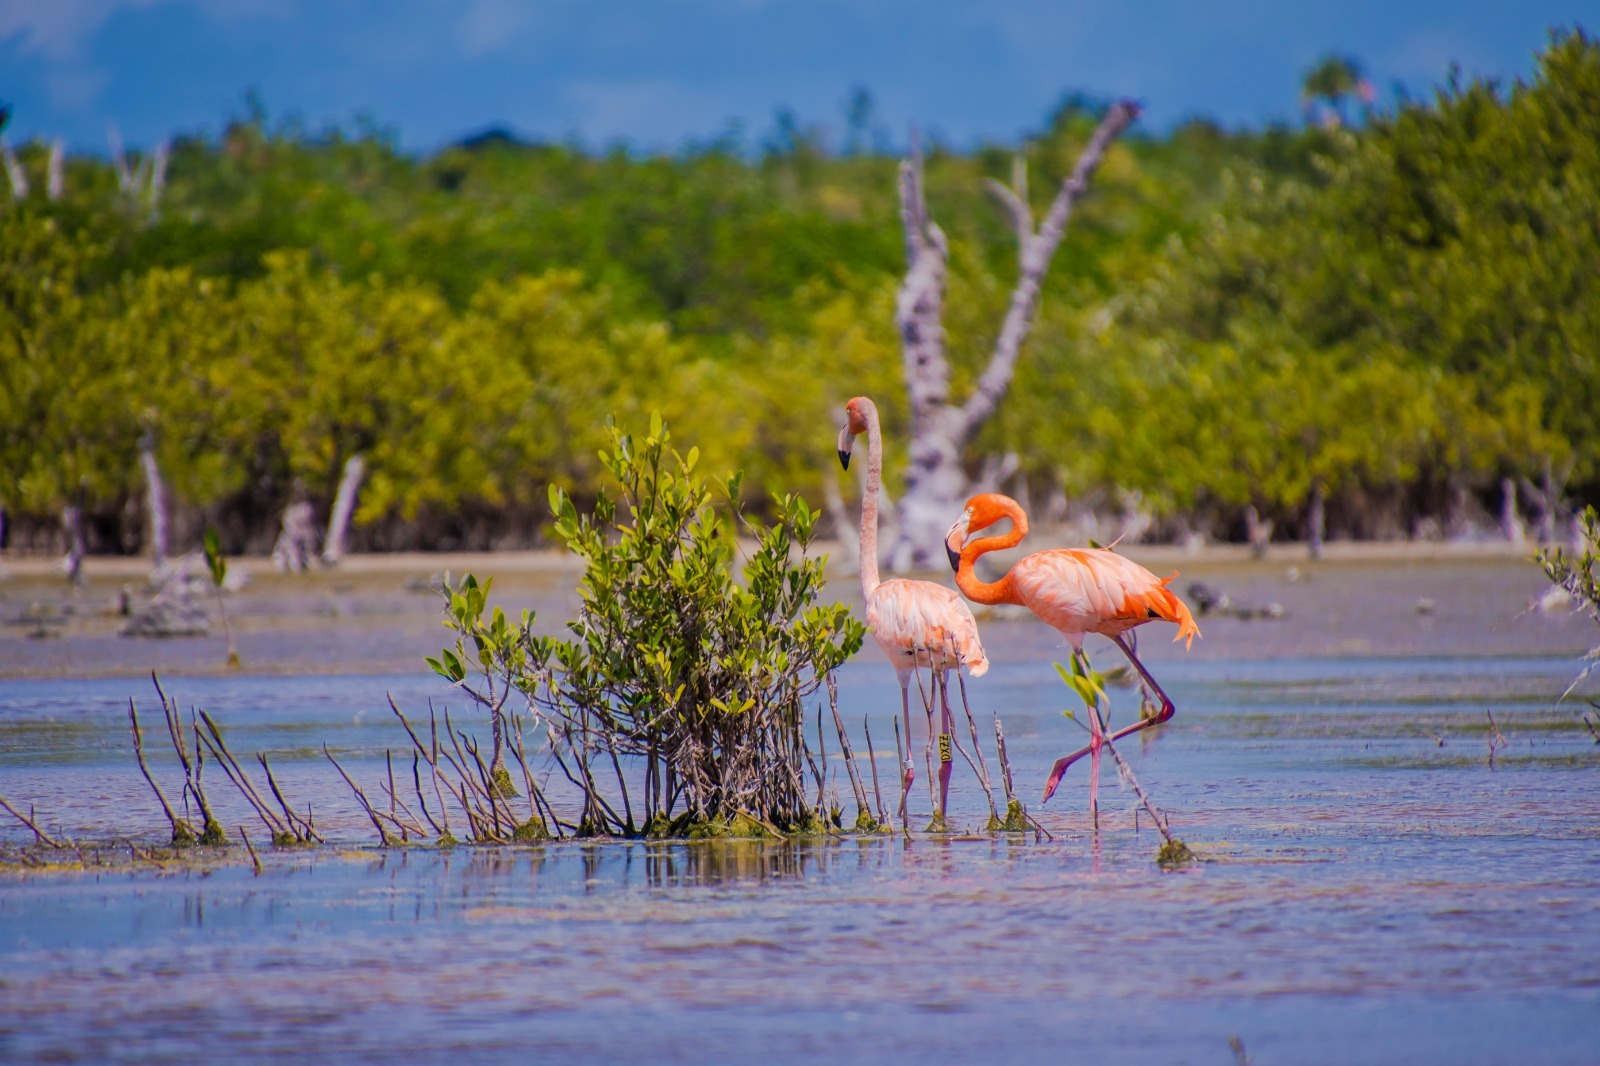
(1374, 891)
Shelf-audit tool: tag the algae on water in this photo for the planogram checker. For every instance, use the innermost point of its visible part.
(1174, 852)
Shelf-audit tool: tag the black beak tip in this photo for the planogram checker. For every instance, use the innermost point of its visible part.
(844, 459)
(953, 555)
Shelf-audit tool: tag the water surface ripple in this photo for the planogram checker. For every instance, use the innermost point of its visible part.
(1373, 892)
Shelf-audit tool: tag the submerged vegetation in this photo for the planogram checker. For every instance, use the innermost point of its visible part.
(1388, 322)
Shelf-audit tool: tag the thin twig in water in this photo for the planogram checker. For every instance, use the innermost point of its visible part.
(846, 751)
(361, 797)
(254, 858)
(236, 774)
(1133, 782)
(138, 752)
(1497, 739)
(872, 759)
(981, 768)
(300, 827)
(1005, 763)
(29, 821)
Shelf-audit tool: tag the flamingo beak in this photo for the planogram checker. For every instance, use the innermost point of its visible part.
(955, 539)
(846, 439)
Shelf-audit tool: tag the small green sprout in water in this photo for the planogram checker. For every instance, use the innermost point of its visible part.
(937, 824)
(213, 837)
(866, 823)
(219, 573)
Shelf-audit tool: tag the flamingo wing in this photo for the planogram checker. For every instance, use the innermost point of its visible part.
(910, 616)
(1080, 591)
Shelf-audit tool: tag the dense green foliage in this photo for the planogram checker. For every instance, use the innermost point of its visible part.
(1400, 314)
(673, 663)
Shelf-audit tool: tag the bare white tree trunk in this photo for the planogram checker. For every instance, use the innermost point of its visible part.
(1548, 495)
(72, 526)
(1257, 531)
(297, 543)
(1317, 519)
(1510, 516)
(936, 482)
(344, 505)
(54, 182)
(14, 172)
(119, 162)
(158, 174)
(155, 495)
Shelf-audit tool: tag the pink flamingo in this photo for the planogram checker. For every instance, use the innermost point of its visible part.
(916, 623)
(1075, 590)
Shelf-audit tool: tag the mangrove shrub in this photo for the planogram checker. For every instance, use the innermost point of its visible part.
(679, 701)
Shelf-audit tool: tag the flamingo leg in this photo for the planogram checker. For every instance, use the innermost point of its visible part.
(947, 730)
(1163, 715)
(927, 748)
(1096, 735)
(908, 772)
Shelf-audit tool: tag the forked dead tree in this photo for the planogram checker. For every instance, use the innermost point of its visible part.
(936, 482)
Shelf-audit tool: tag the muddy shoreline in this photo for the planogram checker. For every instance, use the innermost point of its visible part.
(378, 613)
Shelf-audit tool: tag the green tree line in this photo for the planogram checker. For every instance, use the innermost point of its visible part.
(1395, 316)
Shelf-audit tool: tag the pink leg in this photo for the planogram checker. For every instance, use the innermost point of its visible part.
(1165, 713)
(947, 730)
(908, 772)
(1095, 735)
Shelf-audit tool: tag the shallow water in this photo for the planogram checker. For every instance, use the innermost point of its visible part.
(1374, 890)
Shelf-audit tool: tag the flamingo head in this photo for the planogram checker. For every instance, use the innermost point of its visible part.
(855, 423)
(982, 511)
(956, 539)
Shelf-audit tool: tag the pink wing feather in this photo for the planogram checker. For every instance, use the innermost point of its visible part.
(925, 620)
(1081, 591)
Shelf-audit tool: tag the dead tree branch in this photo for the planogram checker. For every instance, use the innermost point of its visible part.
(940, 430)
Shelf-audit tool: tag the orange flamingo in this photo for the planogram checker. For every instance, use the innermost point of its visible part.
(1076, 591)
(916, 623)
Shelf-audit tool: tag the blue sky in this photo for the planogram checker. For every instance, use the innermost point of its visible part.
(657, 73)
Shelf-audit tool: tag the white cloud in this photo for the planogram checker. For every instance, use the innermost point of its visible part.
(57, 29)
(491, 24)
(606, 110)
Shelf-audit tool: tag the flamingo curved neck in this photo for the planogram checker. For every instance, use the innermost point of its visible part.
(991, 592)
(869, 504)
